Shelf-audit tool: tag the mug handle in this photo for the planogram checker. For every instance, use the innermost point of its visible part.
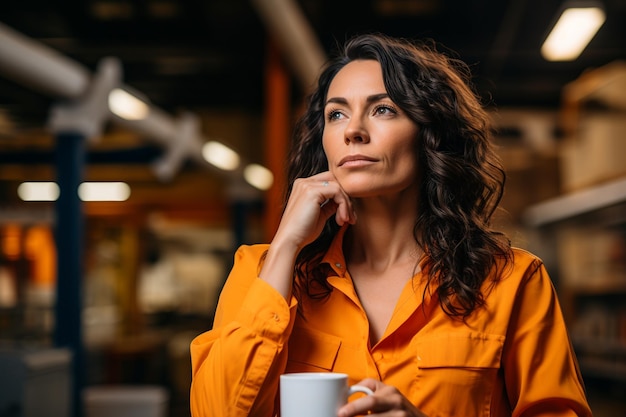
(359, 388)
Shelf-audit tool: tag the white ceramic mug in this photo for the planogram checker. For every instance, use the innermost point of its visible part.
(315, 394)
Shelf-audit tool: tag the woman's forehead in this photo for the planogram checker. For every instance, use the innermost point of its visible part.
(359, 76)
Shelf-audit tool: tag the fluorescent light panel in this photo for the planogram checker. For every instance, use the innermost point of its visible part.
(104, 191)
(571, 34)
(38, 191)
(87, 191)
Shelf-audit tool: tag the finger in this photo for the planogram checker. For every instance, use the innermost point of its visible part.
(362, 405)
(358, 407)
(328, 208)
(346, 213)
(342, 207)
(329, 188)
(371, 383)
(312, 188)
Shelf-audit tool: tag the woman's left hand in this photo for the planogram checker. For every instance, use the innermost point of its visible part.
(385, 399)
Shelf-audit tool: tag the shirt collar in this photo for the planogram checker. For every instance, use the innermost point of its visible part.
(334, 256)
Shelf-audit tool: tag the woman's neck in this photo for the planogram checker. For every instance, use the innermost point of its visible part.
(383, 234)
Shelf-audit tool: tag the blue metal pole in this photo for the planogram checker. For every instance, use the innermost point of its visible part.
(239, 223)
(70, 159)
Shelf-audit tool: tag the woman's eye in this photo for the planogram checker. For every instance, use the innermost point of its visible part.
(383, 110)
(334, 115)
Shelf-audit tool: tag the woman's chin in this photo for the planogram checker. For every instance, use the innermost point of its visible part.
(363, 191)
(371, 189)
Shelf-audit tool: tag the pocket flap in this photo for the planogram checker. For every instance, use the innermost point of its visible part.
(461, 350)
(313, 348)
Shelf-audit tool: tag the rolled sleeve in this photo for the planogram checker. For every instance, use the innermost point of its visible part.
(267, 312)
(236, 365)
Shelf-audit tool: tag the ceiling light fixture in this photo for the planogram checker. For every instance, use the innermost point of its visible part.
(38, 191)
(103, 191)
(87, 191)
(574, 29)
(127, 106)
(220, 155)
(258, 176)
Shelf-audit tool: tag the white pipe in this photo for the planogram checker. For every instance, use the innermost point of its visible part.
(40, 67)
(49, 72)
(296, 37)
(45, 70)
(157, 125)
(88, 113)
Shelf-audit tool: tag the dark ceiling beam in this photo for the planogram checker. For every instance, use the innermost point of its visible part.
(504, 38)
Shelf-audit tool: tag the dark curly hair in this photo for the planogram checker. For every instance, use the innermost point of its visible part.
(462, 179)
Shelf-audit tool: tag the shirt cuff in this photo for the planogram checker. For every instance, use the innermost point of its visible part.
(267, 312)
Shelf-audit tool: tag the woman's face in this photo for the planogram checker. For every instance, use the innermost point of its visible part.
(368, 140)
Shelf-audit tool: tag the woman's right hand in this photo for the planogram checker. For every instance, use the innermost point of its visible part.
(312, 202)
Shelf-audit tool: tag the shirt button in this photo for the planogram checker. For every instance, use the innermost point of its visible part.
(338, 265)
(275, 317)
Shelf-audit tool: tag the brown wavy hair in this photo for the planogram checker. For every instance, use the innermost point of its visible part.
(462, 179)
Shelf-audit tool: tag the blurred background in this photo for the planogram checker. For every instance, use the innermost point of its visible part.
(181, 112)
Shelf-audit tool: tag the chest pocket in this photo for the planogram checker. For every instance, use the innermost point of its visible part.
(457, 373)
(311, 351)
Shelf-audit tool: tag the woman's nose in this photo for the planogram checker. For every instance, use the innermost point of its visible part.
(356, 132)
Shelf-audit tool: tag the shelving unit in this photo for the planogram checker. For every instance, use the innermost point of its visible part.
(597, 202)
(599, 331)
(584, 234)
(581, 235)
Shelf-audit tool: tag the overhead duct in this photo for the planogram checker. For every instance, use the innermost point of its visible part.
(47, 71)
(39, 67)
(295, 37)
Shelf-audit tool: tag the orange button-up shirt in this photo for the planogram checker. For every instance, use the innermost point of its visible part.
(512, 357)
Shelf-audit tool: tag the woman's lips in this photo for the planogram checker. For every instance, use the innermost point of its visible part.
(356, 160)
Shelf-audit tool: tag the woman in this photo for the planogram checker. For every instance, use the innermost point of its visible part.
(384, 265)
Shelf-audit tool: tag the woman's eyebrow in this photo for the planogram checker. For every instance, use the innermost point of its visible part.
(370, 99)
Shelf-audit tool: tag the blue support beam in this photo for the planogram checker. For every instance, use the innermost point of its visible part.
(70, 160)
